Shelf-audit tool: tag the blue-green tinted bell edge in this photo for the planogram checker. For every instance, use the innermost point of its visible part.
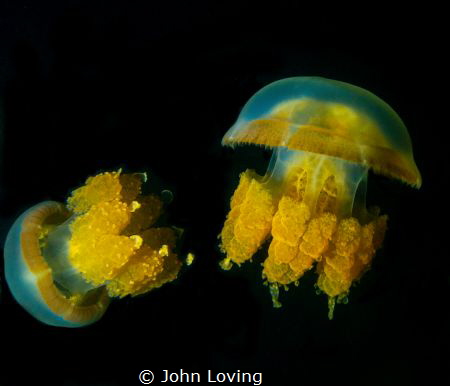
(22, 282)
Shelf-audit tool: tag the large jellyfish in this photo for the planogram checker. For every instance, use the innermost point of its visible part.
(310, 205)
(63, 263)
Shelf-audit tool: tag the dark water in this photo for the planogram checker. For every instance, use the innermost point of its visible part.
(94, 86)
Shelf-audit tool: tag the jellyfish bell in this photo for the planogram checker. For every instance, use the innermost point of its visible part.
(325, 136)
(30, 278)
(63, 263)
(329, 117)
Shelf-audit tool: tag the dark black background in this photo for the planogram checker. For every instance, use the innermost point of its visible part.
(153, 86)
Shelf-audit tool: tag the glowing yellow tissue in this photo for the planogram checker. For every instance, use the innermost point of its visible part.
(111, 241)
(310, 206)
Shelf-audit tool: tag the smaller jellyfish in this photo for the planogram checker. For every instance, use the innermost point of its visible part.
(310, 205)
(63, 263)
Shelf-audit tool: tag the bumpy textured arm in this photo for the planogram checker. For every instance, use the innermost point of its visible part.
(112, 243)
(249, 222)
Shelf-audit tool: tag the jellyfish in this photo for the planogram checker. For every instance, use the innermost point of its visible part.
(64, 263)
(310, 206)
